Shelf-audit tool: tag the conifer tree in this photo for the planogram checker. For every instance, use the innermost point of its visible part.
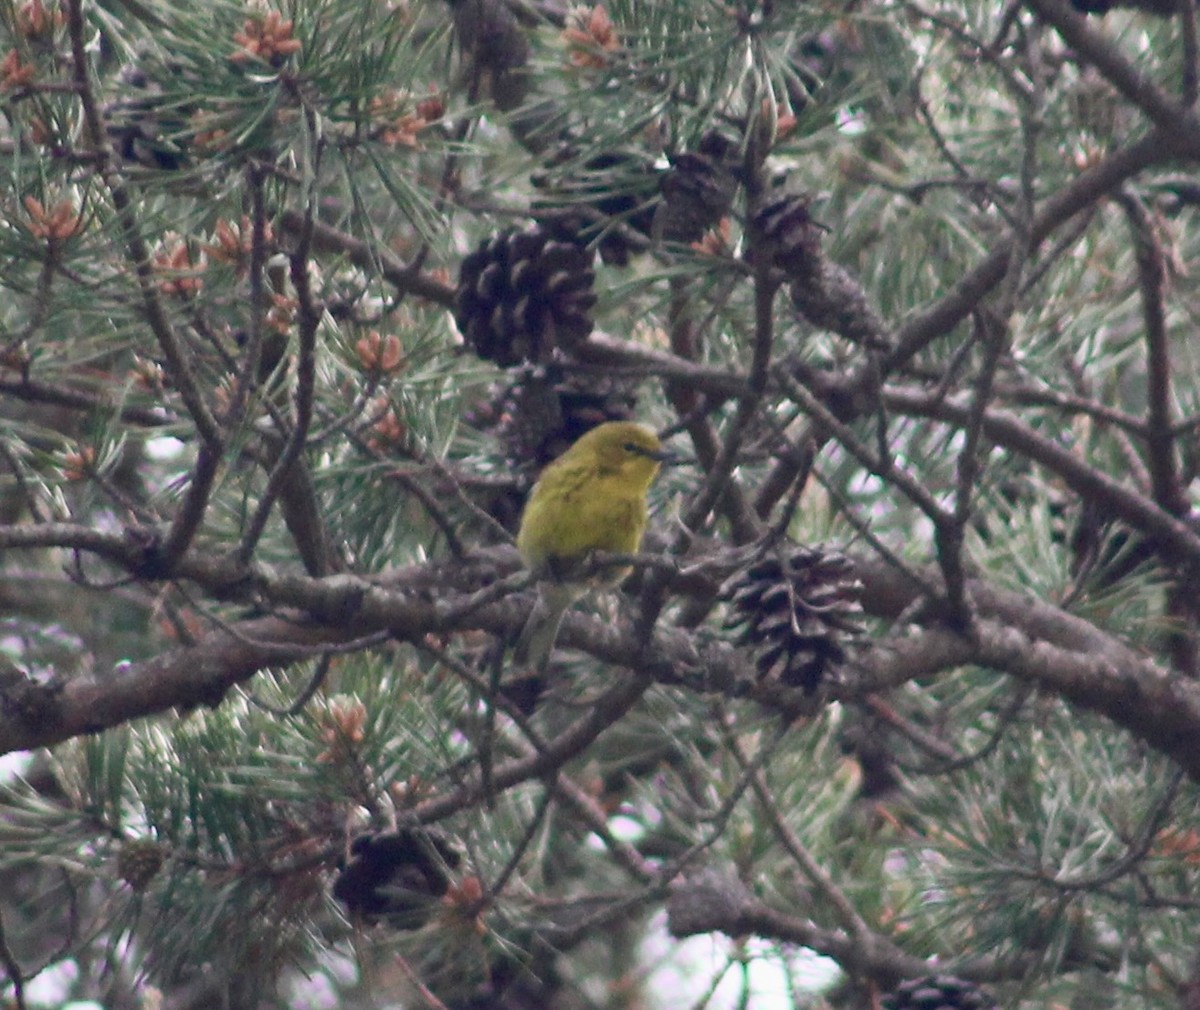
(900, 706)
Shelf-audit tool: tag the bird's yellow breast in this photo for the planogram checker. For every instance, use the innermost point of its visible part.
(592, 498)
(572, 514)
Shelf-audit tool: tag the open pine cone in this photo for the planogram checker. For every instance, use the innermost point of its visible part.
(550, 408)
(699, 189)
(139, 860)
(399, 876)
(579, 203)
(938, 992)
(792, 237)
(796, 610)
(522, 293)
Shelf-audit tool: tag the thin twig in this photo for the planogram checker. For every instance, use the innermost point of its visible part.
(247, 375)
(690, 407)
(1174, 539)
(371, 257)
(939, 318)
(17, 470)
(1063, 245)
(834, 490)
(187, 520)
(719, 481)
(1093, 47)
(295, 650)
(433, 509)
(422, 989)
(522, 846)
(947, 760)
(1189, 75)
(1152, 282)
(305, 696)
(138, 253)
(481, 687)
(1138, 848)
(131, 505)
(883, 468)
(1032, 396)
(490, 593)
(606, 709)
(994, 340)
(186, 523)
(35, 391)
(309, 319)
(13, 969)
(809, 866)
(583, 806)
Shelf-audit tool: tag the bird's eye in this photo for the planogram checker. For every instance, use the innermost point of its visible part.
(632, 447)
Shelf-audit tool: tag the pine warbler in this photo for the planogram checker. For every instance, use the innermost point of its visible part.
(592, 498)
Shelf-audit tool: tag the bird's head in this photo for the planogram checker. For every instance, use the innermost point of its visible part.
(624, 447)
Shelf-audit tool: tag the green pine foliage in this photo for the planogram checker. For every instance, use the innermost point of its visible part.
(258, 493)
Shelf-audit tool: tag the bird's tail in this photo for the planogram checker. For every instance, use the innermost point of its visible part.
(536, 640)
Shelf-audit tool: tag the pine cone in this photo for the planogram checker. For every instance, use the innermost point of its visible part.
(144, 126)
(795, 611)
(582, 202)
(823, 292)
(521, 294)
(398, 875)
(826, 65)
(494, 43)
(139, 861)
(699, 189)
(939, 992)
(550, 408)
(705, 901)
(1161, 8)
(792, 237)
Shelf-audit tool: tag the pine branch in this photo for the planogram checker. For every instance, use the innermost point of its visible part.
(1161, 109)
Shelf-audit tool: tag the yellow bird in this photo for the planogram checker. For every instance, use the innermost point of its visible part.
(592, 498)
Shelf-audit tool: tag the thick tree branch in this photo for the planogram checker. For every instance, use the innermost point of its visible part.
(1036, 642)
(712, 901)
(34, 714)
(1160, 107)
(1161, 709)
(374, 258)
(1176, 540)
(1043, 646)
(1089, 186)
(85, 400)
(1152, 281)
